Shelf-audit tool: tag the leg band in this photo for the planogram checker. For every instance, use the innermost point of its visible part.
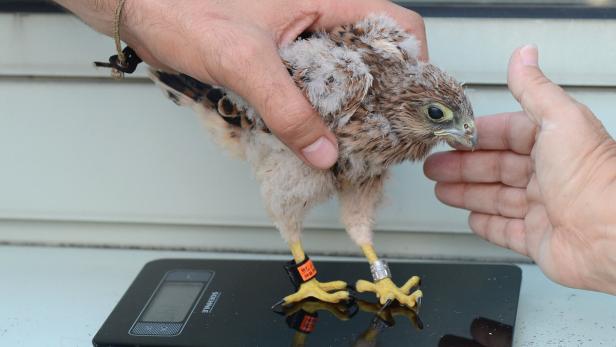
(302, 272)
(379, 270)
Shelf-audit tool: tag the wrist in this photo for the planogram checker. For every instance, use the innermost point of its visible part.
(100, 15)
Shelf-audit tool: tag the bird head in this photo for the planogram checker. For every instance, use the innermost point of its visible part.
(432, 107)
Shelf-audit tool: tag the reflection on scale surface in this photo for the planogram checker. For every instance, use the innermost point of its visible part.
(303, 318)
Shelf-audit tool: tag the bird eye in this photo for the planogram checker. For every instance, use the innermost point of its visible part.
(435, 113)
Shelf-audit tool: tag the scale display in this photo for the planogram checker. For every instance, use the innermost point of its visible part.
(168, 309)
(189, 303)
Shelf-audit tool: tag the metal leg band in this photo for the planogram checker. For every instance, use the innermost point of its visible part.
(379, 270)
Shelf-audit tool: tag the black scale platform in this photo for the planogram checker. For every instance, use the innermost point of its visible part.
(463, 305)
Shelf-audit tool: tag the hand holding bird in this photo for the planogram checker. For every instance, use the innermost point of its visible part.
(235, 44)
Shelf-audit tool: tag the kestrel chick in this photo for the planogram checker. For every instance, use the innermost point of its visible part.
(384, 106)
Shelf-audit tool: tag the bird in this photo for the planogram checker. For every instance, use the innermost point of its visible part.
(384, 105)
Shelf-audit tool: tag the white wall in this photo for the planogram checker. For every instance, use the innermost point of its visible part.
(75, 146)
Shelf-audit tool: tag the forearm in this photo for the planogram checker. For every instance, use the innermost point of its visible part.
(98, 14)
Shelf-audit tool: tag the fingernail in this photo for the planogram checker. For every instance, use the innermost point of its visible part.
(322, 153)
(529, 55)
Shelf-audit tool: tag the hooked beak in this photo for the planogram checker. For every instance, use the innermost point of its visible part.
(464, 135)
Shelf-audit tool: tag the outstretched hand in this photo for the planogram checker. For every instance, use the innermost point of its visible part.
(542, 182)
(234, 43)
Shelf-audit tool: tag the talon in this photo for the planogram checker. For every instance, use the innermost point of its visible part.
(278, 303)
(386, 305)
(387, 291)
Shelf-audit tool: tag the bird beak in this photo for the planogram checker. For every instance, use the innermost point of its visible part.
(464, 135)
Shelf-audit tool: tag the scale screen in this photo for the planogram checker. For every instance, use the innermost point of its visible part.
(168, 309)
(172, 302)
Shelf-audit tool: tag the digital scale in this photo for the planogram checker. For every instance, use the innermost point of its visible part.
(190, 303)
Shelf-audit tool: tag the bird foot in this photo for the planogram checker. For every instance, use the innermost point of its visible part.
(324, 291)
(387, 291)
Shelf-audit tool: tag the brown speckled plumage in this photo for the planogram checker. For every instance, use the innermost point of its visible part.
(370, 89)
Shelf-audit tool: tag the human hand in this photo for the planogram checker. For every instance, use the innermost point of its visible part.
(542, 182)
(234, 44)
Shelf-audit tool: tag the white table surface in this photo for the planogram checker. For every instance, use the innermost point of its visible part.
(60, 296)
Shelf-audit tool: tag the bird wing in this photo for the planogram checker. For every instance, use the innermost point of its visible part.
(333, 77)
(221, 114)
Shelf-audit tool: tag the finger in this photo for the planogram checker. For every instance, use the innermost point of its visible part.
(546, 103)
(501, 231)
(494, 199)
(479, 167)
(337, 12)
(506, 131)
(257, 73)
(540, 98)
(558, 116)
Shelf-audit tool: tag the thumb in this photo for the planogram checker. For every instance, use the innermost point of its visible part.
(541, 99)
(568, 130)
(265, 83)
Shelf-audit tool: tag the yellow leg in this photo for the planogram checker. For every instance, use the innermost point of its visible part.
(326, 291)
(369, 253)
(298, 252)
(385, 289)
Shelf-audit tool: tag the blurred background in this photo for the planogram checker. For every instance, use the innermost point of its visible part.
(86, 160)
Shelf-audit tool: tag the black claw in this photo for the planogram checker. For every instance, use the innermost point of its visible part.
(353, 293)
(279, 303)
(387, 303)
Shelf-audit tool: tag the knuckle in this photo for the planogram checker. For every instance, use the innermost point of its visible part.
(239, 58)
(534, 86)
(414, 22)
(417, 20)
(505, 239)
(293, 123)
(467, 195)
(250, 49)
(501, 202)
(237, 53)
(293, 127)
(581, 108)
(464, 166)
(509, 168)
